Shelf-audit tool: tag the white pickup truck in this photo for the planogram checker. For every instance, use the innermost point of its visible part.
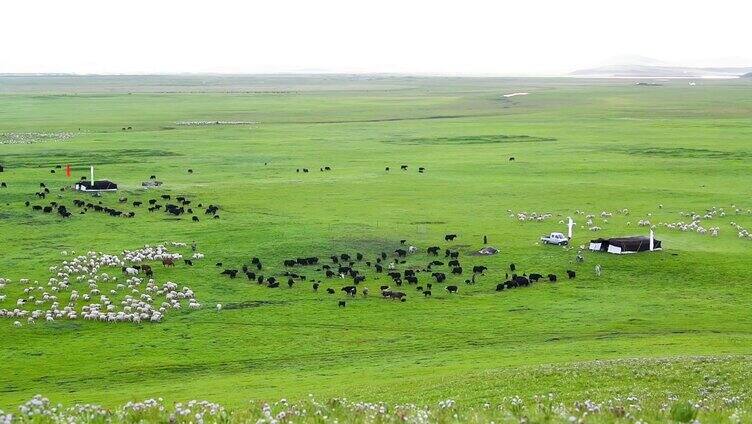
(555, 238)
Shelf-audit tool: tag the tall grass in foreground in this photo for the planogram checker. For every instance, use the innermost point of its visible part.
(539, 409)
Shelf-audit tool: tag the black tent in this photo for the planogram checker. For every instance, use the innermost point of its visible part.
(100, 185)
(624, 244)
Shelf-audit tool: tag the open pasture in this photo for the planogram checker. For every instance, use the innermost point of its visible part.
(673, 154)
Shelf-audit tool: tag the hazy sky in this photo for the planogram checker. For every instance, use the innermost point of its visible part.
(453, 37)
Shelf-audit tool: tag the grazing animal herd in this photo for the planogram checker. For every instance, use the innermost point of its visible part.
(182, 205)
(354, 270)
(85, 287)
(92, 290)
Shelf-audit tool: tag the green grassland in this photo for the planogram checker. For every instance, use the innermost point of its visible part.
(581, 145)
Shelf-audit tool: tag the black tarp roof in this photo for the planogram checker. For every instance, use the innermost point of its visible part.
(629, 244)
(98, 185)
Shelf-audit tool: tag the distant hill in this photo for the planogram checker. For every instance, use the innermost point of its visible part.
(747, 75)
(647, 71)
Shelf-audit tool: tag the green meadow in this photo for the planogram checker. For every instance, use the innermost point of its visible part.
(581, 147)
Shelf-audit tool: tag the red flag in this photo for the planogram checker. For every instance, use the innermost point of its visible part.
(67, 170)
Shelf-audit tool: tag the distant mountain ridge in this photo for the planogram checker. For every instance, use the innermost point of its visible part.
(654, 71)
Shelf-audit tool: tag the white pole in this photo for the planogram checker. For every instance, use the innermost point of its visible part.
(652, 244)
(92, 174)
(570, 224)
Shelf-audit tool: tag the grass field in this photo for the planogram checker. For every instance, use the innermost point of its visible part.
(587, 145)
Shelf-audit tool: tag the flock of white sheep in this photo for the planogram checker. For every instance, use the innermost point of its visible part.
(532, 216)
(694, 223)
(85, 288)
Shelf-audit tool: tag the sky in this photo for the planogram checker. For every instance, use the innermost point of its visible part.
(467, 37)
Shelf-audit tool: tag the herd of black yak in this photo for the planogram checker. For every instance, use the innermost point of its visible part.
(179, 206)
(347, 273)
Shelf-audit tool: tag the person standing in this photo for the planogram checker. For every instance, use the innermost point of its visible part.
(485, 240)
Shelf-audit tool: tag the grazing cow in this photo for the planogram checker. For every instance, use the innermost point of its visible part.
(479, 269)
(3, 185)
(137, 203)
(305, 170)
(453, 262)
(378, 268)
(386, 169)
(351, 290)
(289, 262)
(511, 159)
(250, 275)
(403, 167)
(359, 279)
(411, 279)
(439, 276)
(330, 290)
(327, 168)
(521, 281)
(450, 237)
(427, 293)
(395, 295)
(329, 273)
(231, 272)
(384, 288)
(195, 218)
(272, 284)
(401, 253)
(535, 277)
(290, 282)
(421, 169)
(315, 286)
(359, 257)
(218, 264)
(457, 270)
(255, 260)
(501, 286)
(552, 278)
(512, 267)
(433, 250)
(451, 289)
(190, 171)
(571, 274)
(168, 262)
(342, 303)
(165, 196)
(188, 262)
(123, 199)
